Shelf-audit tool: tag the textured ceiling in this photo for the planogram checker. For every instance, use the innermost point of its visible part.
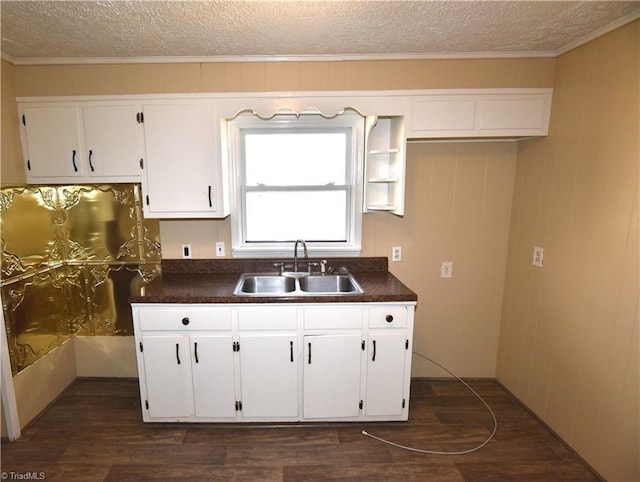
(50, 30)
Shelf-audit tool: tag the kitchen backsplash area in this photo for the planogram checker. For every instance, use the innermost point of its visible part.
(71, 257)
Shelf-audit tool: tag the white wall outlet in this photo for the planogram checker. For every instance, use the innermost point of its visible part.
(186, 251)
(538, 256)
(446, 269)
(220, 248)
(396, 253)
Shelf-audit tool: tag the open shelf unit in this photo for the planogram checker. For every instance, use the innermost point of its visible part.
(384, 165)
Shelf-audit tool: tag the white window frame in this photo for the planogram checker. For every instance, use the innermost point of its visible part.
(250, 121)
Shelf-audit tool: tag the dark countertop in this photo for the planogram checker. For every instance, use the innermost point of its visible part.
(213, 281)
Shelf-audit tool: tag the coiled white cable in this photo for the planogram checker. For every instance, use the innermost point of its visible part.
(436, 452)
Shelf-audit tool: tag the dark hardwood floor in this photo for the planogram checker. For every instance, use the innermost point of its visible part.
(95, 432)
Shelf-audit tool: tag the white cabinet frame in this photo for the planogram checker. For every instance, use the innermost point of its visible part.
(91, 141)
(341, 336)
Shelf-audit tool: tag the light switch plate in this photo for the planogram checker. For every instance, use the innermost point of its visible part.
(446, 269)
(186, 251)
(220, 251)
(538, 256)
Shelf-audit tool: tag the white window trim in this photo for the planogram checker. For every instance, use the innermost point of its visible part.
(240, 248)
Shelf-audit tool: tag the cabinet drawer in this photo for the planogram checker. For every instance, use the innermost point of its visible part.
(268, 318)
(388, 316)
(185, 319)
(340, 317)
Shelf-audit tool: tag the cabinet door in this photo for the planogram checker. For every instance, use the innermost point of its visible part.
(213, 375)
(332, 375)
(386, 355)
(112, 142)
(269, 374)
(180, 163)
(166, 367)
(52, 143)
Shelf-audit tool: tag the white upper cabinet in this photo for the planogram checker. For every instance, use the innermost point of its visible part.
(491, 113)
(51, 143)
(113, 142)
(75, 144)
(174, 143)
(183, 170)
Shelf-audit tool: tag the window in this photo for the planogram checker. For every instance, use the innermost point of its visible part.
(296, 177)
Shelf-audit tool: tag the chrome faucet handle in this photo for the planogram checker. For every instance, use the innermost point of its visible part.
(280, 267)
(310, 264)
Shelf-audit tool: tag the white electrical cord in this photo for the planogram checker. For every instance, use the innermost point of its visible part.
(435, 452)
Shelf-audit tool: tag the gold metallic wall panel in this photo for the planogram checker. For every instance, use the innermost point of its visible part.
(103, 222)
(71, 257)
(39, 315)
(109, 289)
(29, 233)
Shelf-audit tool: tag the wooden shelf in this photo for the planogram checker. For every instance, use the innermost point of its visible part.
(380, 152)
(381, 207)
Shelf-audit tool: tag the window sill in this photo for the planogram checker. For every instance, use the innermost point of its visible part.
(279, 252)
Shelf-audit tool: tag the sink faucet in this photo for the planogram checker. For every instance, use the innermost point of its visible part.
(295, 254)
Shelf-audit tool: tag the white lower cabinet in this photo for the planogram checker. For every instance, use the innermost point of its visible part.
(212, 373)
(332, 367)
(274, 362)
(386, 360)
(269, 376)
(166, 370)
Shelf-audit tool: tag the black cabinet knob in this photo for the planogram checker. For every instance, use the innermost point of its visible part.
(389, 318)
(185, 321)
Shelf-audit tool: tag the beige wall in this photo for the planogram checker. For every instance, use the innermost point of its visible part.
(11, 167)
(569, 331)
(281, 76)
(458, 204)
(458, 195)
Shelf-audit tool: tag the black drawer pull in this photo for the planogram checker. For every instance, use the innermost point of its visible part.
(373, 358)
(90, 162)
(185, 321)
(389, 318)
(210, 202)
(178, 353)
(291, 350)
(309, 354)
(73, 160)
(195, 350)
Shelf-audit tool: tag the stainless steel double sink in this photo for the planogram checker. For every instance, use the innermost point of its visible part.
(296, 284)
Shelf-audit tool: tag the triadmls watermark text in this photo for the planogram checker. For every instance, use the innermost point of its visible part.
(23, 475)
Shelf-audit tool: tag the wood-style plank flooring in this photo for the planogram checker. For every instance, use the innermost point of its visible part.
(95, 432)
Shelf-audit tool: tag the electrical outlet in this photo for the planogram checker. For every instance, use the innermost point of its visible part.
(186, 251)
(396, 253)
(538, 256)
(220, 248)
(446, 269)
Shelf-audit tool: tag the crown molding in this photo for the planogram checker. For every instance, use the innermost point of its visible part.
(271, 58)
